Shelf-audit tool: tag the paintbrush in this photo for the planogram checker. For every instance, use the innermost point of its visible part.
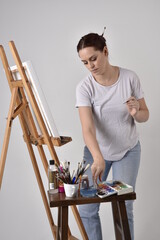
(83, 170)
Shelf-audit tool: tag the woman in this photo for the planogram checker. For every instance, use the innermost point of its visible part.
(110, 100)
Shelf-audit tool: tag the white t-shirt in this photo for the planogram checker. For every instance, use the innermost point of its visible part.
(116, 131)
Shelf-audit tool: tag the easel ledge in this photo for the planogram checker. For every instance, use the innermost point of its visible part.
(58, 142)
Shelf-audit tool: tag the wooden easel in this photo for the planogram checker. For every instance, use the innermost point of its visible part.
(19, 106)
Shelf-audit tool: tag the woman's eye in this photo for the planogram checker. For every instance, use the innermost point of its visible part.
(93, 59)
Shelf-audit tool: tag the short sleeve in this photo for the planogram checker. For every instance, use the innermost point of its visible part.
(137, 88)
(82, 96)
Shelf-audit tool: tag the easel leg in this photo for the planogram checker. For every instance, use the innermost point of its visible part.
(43, 158)
(40, 183)
(7, 133)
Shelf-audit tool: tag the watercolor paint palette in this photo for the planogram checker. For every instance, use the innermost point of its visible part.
(104, 190)
(120, 187)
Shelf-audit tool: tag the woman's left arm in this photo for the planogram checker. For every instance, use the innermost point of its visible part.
(138, 109)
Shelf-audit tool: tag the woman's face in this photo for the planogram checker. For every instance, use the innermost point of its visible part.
(95, 60)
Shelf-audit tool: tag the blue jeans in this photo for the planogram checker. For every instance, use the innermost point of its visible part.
(125, 170)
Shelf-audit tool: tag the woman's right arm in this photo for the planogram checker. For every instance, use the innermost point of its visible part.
(89, 135)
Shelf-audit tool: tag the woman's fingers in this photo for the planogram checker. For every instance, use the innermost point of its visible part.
(133, 105)
(97, 172)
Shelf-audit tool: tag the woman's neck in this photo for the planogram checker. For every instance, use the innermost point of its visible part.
(109, 77)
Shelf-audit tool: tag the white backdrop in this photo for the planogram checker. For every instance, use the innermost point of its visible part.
(47, 32)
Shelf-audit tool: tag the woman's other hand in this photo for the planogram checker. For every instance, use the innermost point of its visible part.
(97, 169)
(133, 106)
(138, 109)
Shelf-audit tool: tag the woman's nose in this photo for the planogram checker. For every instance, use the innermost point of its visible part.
(91, 65)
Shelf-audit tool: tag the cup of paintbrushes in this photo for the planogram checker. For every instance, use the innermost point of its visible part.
(71, 190)
(72, 182)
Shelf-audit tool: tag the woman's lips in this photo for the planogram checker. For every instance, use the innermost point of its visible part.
(94, 70)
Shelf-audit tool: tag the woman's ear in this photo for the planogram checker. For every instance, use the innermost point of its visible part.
(105, 50)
